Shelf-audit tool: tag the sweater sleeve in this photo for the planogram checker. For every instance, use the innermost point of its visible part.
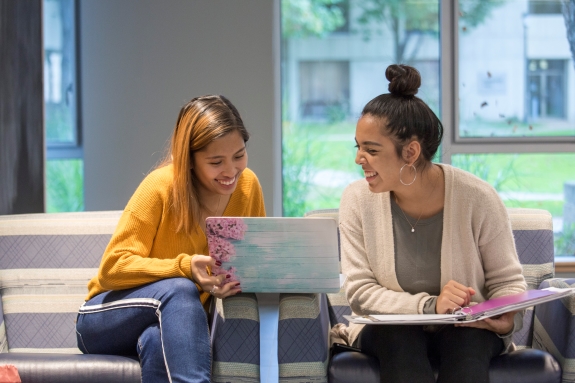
(126, 262)
(364, 285)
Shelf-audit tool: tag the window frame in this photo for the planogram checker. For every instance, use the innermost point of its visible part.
(449, 74)
(73, 149)
(452, 143)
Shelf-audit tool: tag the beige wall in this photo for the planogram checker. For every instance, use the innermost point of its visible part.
(141, 60)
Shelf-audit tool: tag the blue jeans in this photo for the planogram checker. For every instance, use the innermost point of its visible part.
(164, 323)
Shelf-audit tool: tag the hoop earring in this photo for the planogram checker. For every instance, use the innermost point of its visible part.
(414, 177)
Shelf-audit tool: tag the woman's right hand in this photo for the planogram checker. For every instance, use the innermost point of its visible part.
(211, 283)
(454, 295)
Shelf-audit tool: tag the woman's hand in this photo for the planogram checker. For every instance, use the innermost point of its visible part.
(453, 296)
(501, 324)
(211, 283)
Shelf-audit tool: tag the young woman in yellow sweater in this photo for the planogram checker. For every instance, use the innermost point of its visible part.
(153, 284)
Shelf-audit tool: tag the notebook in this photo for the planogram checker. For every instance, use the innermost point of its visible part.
(487, 309)
(276, 254)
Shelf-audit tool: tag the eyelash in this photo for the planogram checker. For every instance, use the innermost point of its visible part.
(219, 162)
(369, 151)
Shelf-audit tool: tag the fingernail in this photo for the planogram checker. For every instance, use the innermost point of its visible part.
(228, 275)
(218, 263)
(237, 284)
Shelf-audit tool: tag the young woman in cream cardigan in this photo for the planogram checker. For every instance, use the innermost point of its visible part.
(420, 238)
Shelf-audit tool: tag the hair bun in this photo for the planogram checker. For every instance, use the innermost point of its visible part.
(404, 80)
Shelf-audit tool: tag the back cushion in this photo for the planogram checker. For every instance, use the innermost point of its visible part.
(533, 232)
(46, 261)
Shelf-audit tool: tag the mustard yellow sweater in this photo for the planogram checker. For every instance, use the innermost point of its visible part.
(145, 246)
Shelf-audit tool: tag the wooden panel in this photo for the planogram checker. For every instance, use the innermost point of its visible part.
(564, 267)
(21, 107)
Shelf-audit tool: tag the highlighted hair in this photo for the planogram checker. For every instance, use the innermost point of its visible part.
(201, 121)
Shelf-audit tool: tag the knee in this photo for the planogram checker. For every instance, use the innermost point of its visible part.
(150, 342)
(181, 288)
(389, 334)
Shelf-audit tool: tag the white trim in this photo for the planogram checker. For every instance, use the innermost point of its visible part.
(123, 303)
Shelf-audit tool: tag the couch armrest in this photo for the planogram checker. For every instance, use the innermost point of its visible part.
(74, 368)
(303, 338)
(554, 328)
(3, 341)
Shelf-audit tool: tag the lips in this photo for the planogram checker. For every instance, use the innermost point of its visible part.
(227, 182)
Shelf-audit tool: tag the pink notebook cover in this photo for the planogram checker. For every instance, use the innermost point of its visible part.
(491, 308)
(507, 301)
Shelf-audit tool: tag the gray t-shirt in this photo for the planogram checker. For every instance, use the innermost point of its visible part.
(418, 254)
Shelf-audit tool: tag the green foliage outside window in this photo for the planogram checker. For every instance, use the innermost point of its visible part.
(64, 185)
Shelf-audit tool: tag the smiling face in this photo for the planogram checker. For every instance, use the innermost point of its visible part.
(218, 166)
(377, 156)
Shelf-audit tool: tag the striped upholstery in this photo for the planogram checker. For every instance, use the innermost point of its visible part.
(303, 332)
(533, 232)
(303, 338)
(337, 302)
(236, 340)
(554, 328)
(46, 261)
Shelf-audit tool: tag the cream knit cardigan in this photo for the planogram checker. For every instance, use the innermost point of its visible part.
(477, 248)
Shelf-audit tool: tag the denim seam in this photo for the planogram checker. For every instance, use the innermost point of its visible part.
(82, 340)
(159, 314)
(124, 303)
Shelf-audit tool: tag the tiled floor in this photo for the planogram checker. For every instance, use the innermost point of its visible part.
(269, 316)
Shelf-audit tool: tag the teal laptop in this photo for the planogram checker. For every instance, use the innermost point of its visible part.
(276, 254)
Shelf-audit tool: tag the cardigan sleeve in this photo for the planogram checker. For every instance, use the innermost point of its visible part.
(501, 267)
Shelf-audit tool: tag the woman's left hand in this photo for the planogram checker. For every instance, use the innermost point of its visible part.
(501, 325)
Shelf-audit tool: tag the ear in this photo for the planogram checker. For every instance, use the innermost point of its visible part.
(411, 152)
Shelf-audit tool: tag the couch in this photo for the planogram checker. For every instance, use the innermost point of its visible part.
(546, 344)
(46, 261)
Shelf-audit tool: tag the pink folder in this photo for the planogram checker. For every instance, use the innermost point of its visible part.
(487, 309)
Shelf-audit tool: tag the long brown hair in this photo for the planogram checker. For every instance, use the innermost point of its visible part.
(201, 121)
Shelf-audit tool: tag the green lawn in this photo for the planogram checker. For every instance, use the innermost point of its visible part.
(311, 147)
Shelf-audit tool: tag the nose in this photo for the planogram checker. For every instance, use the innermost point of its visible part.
(229, 170)
(359, 159)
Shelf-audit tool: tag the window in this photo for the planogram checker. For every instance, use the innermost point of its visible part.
(324, 89)
(64, 165)
(546, 91)
(545, 6)
(506, 96)
(514, 70)
(333, 62)
(516, 121)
